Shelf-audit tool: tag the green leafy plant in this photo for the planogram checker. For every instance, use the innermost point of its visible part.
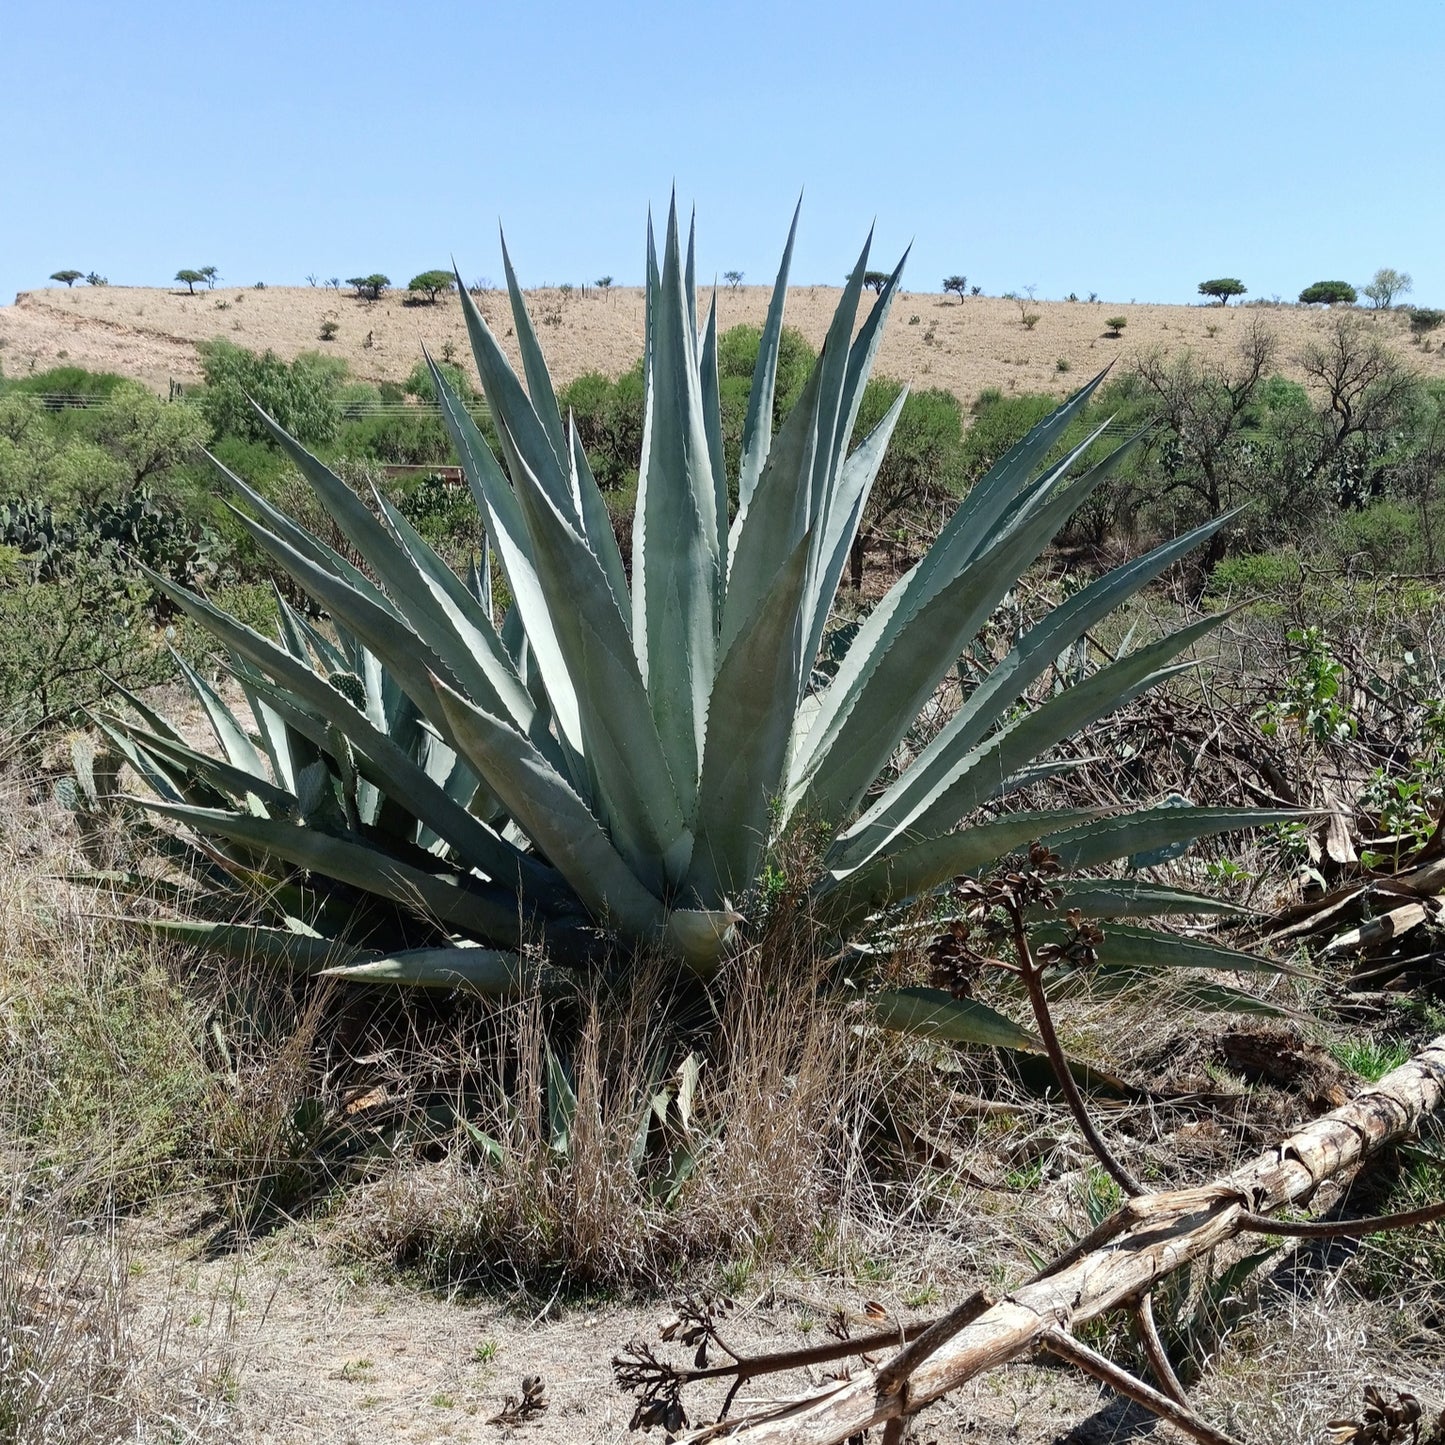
(1115, 324)
(1328, 293)
(956, 283)
(191, 278)
(421, 793)
(1313, 700)
(68, 277)
(1424, 320)
(329, 330)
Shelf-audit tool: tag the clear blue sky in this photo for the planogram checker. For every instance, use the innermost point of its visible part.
(1129, 147)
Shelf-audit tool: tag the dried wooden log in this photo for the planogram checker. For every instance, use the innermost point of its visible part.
(1149, 1238)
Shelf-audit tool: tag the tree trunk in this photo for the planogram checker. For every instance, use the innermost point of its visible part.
(1121, 1261)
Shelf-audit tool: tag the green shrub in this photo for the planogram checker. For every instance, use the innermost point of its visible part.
(1385, 537)
(998, 422)
(329, 330)
(411, 438)
(300, 396)
(1258, 574)
(444, 513)
(1424, 320)
(608, 415)
(1115, 324)
(737, 355)
(58, 641)
(419, 384)
(125, 1079)
(924, 465)
(66, 381)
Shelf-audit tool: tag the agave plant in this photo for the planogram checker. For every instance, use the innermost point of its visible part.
(422, 792)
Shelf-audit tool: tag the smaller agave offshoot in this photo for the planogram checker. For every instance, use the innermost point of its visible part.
(421, 788)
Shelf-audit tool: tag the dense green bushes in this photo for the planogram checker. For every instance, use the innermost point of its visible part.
(1351, 475)
(301, 395)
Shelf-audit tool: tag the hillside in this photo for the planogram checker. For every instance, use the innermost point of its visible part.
(963, 346)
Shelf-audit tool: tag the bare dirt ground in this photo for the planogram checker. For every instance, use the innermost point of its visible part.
(313, 1354)
(930, 341)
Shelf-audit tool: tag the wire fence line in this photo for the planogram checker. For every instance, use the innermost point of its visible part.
(347, 410)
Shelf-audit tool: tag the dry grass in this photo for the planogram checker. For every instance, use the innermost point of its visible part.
(834, 1163)
(930, 341)
(684, 1148)
(78, 1363)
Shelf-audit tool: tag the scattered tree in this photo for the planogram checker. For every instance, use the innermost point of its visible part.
(190, 277)
(211, 274)
(69, 277)
(955, 283)
(311, 278)
(1328, 293)
(1387, 284)
(875, 280)
(733, 278)
(96, 279)
(1222, 288)
(1116, 324)
(604, 284)
(329, 330)
(1204, 406)
(433, 283)
(1367, 387)
(1424, 320)
(369, 288)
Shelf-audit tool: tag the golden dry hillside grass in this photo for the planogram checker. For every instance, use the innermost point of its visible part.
(931, 340)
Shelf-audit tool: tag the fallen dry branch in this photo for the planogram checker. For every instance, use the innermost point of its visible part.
(1149, 1238)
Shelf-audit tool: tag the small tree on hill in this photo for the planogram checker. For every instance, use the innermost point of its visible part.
(190, 278)
(603, 284)
(69, 277)
(369, 288)
(733, 278)
(1116, 325)
(955, 283)
(1328, 293)
(96, 279)
(211, 274)
(875, 280)
(1222, 288)
(433, 283)
(1386, 284)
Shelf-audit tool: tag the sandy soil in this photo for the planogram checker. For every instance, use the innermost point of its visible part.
(316, 1355)
(931, 340)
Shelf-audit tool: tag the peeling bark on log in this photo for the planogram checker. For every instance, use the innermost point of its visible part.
(1123, 1259)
